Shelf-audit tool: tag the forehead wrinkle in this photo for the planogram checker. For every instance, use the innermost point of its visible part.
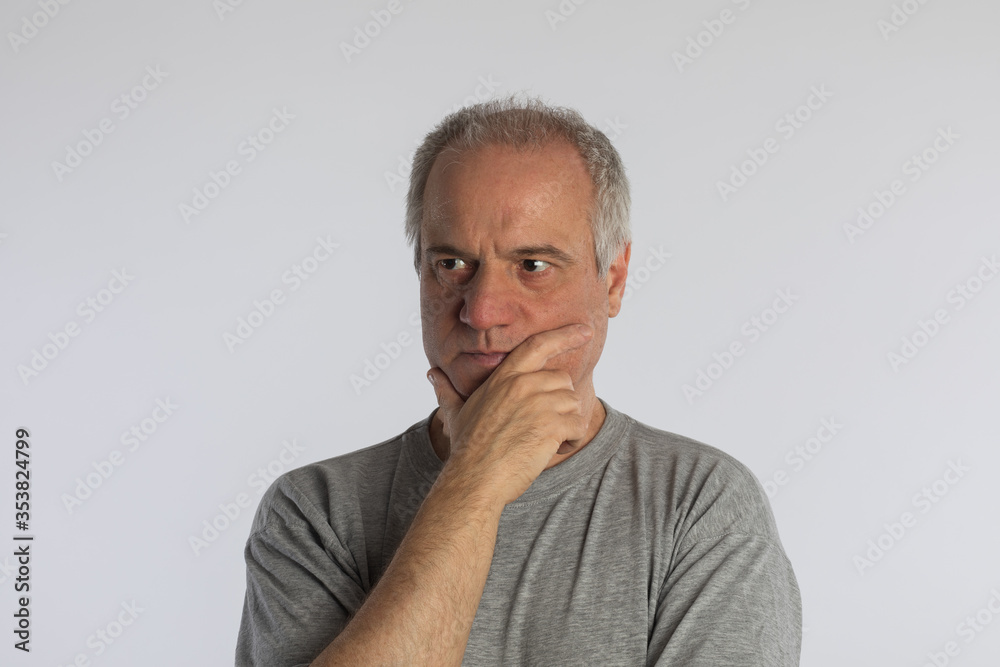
(435, 210)
(525, 211)
(447, 158)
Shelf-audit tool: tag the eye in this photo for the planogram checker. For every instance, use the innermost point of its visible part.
(443, 263)
(529, 262)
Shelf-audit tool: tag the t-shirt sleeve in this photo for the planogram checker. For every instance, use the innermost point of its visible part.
(730, 597)
(302, 582)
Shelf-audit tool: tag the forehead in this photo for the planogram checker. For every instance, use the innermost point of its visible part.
(499, 189)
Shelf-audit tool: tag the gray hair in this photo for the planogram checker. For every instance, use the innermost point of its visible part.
(516, 123)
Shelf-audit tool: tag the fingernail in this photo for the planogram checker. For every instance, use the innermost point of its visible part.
(430, 378)
(584, 329)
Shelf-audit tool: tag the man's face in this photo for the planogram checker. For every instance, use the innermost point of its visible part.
(506, 252)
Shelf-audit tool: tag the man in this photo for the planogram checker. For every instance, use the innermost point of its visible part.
(525, 521)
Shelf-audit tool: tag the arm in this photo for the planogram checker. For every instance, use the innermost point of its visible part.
(421, 610)
(730, 601)
(730, 597)
(310, 592)
(501, 438)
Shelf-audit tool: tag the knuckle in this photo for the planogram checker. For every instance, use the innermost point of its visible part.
(565, 380)
(519, 385)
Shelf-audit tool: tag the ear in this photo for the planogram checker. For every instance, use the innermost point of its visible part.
(617, 274)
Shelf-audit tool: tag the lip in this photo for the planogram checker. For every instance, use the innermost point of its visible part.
(487, 360)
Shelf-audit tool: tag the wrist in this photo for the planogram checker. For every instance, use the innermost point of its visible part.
(455, 487)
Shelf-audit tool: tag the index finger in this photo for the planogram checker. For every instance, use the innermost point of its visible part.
(532, 353)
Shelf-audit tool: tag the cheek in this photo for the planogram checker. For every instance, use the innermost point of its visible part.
(575, 362)
(435, 324)
(436, 303)
(583, 359)
(427, 328)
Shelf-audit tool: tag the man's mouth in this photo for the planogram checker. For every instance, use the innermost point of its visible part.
(487, 360)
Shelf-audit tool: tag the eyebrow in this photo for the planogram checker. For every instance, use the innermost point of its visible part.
(544, 249)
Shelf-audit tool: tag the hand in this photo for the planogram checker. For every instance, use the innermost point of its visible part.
(509, 428)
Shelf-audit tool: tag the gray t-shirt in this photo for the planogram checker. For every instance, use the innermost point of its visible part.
(643, 548)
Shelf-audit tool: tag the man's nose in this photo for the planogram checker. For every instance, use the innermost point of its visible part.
(489, 298)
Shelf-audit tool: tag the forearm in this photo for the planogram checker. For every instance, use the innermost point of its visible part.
(421, 611)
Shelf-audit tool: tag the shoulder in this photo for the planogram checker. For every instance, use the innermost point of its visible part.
(665, 451)
(705, 489)
(308, 494)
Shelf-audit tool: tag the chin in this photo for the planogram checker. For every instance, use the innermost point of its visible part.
(469, 387)
(465, 384)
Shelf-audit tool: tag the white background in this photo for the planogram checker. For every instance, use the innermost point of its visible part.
(681, 127)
